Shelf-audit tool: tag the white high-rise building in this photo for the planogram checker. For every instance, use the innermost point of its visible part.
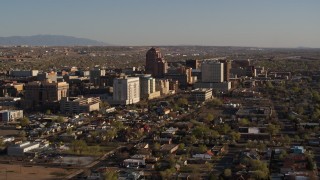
(212, 71)
(148, 87)
(126, 90)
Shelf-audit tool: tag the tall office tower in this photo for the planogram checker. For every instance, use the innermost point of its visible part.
(226, 69)
(148, 87)
(95, 75)
(155, 64)
(162, 85)
(41, 93)
(126, 90)
(212, 71)
(193, 63)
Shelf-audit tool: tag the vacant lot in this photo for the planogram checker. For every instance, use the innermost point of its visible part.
(4, 132)
(9, 171)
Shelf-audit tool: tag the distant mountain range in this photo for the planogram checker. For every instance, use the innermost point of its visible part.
(49, 40)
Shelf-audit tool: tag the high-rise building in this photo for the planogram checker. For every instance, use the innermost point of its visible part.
(183, 75)
(226, 69)
(126, 90)
(212, 71)
(162, 85)
(40, 93)
(95, 75)
(156, 65)
(148, 87)
(193, 63)
(43, 76)
(11, 89)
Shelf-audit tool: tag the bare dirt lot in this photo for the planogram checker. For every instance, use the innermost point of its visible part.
(4, 132)
(9, 171)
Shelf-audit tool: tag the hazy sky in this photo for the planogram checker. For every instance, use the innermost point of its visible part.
(265, 23)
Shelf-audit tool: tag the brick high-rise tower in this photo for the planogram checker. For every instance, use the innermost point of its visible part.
(155, 64)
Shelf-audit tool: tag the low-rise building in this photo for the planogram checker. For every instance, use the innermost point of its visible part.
(20, 149)
(76, 105)
(201, 94)
(9, 101)
(7, 116)
(218, 86)
(134, 162)
(23, 73)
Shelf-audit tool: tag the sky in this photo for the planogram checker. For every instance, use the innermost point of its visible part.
(260, 23)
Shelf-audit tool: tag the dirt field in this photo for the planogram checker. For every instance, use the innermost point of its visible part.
(15, 172)
(8, 132)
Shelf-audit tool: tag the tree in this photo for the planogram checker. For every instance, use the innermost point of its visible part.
(24, 121)
(214, 103)
(225, 128)
(182, 102)
(202, 148)
(235, 135)
(316, 96)
(59, 119)
(273, 129)
(213, 176)
(283, 154)
(316, 114)
(110, 134)
(193, 139)
(181, 146)
(227, 173)
(79, 146)
(209, 117)
(95, 149)
(48, 112)
(167, 173)
(259, 168)
(310, 163)
(244, 122)
(269, 85)
(259, 174)
(286, 140)
(118, 125)
(69, 131)
(215, 134)
(111, 175)
(104, 104)
(156, 146)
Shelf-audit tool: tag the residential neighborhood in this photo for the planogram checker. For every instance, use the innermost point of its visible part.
(215, 118)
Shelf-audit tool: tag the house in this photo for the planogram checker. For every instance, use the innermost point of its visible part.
(169, 148)
(134, 162)
(207, 155)
(217, 150)
(298, 150)
(165, 140)
(67, 137)
(169, 132)
(294, 162)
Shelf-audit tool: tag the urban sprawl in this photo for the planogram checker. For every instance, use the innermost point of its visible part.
(198, 116)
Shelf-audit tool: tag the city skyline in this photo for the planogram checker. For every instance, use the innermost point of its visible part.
(287, 23)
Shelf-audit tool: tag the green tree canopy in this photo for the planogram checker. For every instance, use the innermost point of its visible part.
(79, 146)
(24, 121)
